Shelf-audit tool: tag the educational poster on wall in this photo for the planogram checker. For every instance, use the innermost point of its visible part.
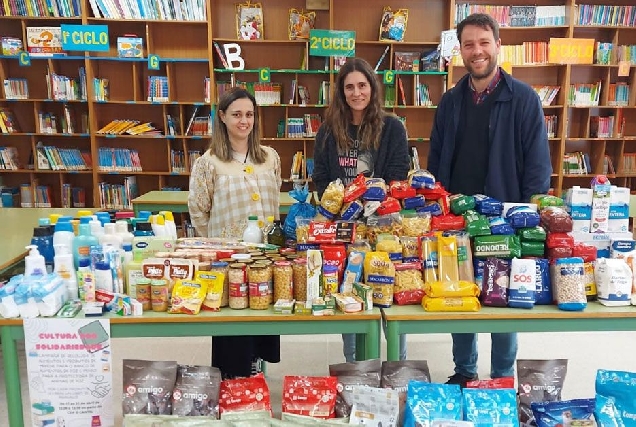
(69, 368)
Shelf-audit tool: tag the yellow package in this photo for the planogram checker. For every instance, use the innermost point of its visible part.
(390, 244)
(332, 199)
(187, 296)
(213, 283)
(457, 289)
(451, 304)
(447, 258)
(379, 273)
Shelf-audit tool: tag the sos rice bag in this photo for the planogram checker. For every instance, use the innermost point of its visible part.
(491, 407)
(414, 202)
(427, 403)
(499, 225)
(523, 279)
(401, 190)
(460, 203)
(579, 412)
(376, 190)
(331, 200)
(450, 304)
(356, 189)
(534, 234)
(487, 205)
(494, 287)
(532, 249)
(522, 217)
(620, 386)
(351, 210)
(543, 292)
(556, 220)
(476, 225)
(497, 246)
(421, 178)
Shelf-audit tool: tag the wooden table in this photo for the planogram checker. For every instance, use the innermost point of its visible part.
(177, 201)
(365, 325)
(412, 319)
(16, 229)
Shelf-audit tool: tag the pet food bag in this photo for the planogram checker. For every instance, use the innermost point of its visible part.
(196, 392)
(366, 372)
(148, 386)
(539, 381)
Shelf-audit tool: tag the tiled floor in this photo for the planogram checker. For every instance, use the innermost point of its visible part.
(311, 355)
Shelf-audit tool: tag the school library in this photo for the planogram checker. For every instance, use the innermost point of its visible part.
(304, 212)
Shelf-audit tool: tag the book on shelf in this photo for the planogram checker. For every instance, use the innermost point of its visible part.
(44, 41)
(63, 159)
(11, 46)
(165, 10)
(16, 88)
(407, 61)
(547, 94)
(381, 59)
(26, 196)
(73, 197)
(576, 163)
(618, 94)
(297, 165)
(40, 9)
(220, 55)
(626, 53)
(303, 95)
(629, 163)
(63, 88)
(118, 196)
(171, 125)
(515, 16)
(128, 127)
(206, 90)
(303, 127)
(422, 94)
(100, 89)
(265, 93)
(608, 166)
(389, 96)
(9, 158)
(324, 93)
(527, 53)
(584, 94)
(551, 122)
(603, 53)
(605, 15)
(118, 160)
(158, 90)
(401, 89)
(8, 122)
(601, 127)
(178, 161)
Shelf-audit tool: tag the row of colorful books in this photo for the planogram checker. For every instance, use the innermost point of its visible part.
(610, 54)
(16, 88)
(158, 89)
(9, 158)
(551, 123)
(629, 163)
(62, 159)
(8, 122)
(118, 160)
(49, 123)
(40, 8)
(100, 89)
(576, 163)
(618, 94)
(601, 14)
(35, 196)
(118, 196)
(73, 197)
(128, 127)
(178, 162)
(63, 88)
(584, 94)
(547, 94)
(301, 127)
(173, 10)
(602, 127)
(515, 16)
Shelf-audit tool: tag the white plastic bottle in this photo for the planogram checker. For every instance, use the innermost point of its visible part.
(121, 227)
(253, 233)
(34, 262)
(171, 227)
(64, 267)
(110, 237)
(96, 227)
(158, 223)
(63, 236)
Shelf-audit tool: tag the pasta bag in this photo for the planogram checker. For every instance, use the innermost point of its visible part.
(447, 258)
(465, 258)
(429, 258)
(451, 304)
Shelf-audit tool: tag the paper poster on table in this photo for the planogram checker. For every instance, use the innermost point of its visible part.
(69, 368)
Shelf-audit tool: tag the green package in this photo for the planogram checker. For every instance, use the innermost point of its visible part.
(535, 249)
(476, 224)
(460, 203)
(499, 246)
(545, 200)
(534, 234)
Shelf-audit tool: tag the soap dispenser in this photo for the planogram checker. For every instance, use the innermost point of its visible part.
(34, 262)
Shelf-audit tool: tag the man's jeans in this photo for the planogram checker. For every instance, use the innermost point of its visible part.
(349, 345)
(502, 359)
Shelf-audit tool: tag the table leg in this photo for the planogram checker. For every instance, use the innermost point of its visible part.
(361, 347)
(392, 341)
(373, 340)
(12, 378)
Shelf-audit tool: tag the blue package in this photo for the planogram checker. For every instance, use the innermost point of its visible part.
(487, 205)
(414, 202)
(499, 225)
(543, 293)
(376, 190)
(433, 208)
(553, 414)
(606, 412)
(422, 178)
(488, 407)
(478, 268)
(621, 386)
(351, 211)
(522, 285)
(426, 402)
(300, 209)
(522, 217)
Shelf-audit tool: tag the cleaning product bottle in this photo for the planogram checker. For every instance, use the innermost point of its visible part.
(34, 262)
(96, 227)
(65, 269)
(84, 275)
(53, 218)
(63, 235)
(144, 215)
(276, 235)
(83, 213)
(253, 233)
(82, 244)
(158, 223)
(121, 228)
(43, 239)
(110, 238)
(171, 227)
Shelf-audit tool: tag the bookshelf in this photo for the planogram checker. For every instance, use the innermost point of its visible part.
(179, 97)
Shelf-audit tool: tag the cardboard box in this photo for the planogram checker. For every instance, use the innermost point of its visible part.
(601, 241)
(365, 293)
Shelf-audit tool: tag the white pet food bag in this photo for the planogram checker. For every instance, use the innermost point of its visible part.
(613, 281)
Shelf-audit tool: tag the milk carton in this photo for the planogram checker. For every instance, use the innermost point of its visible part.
(600, 207)
(619, 209)
(578, 202)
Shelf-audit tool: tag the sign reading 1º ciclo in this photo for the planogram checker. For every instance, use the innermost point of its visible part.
(85, 37)
(332, 43)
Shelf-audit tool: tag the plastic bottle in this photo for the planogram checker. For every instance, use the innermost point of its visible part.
(158, 223)
(83, 243)
(121, 227)
(34, 262)
(252, 233)
(103, 276)
(65, 269)
(144, 215)
(96, 227)
(171, 227)
(53, 218)
(43, 239)
(143, 229)
(110, 237)
(103, 217)
(83, 213)
(63, 236)
(83, 271)
(44, 221)
(276, 235)
(64, 218)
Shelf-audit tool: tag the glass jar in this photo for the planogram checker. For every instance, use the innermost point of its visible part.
(269, 268)
(259, 287)
(224, 268)
(300, 279)
(238, 297)
(283, 281)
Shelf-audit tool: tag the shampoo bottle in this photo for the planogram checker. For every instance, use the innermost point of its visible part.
(34, 262)
(65, 268)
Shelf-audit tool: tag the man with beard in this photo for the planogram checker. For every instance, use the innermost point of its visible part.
(488, 137)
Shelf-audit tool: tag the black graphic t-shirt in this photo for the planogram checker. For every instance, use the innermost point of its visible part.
(356, 160)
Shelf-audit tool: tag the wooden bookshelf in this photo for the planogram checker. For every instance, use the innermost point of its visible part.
(187, 58)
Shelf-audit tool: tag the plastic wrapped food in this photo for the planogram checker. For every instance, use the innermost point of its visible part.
(415, 224)
(332, 199)
(351, 210)
(451, 289)
(522, 217)
(376, 190)
(556, 220)
(487, 205)
(356, 189)
(421, 178)
(451, 304)
(409, 286)
(476, 225)
(401, 190)
(460, 203)
(389, 206)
